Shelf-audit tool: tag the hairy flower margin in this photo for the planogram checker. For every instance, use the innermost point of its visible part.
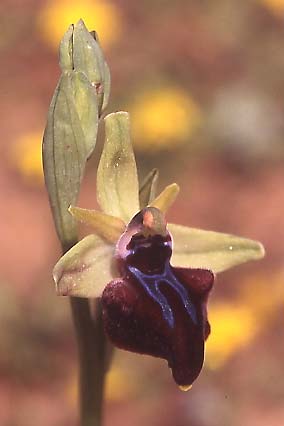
(154, 298)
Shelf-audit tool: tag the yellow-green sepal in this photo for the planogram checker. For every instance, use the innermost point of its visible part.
(117, 181)
(85, 269)
(196, 248)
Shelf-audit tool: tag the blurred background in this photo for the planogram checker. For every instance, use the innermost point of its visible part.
(204, 84)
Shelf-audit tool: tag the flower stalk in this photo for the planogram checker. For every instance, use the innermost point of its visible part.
(92, 359)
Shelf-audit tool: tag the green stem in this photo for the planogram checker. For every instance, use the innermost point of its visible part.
(91, 349)
(92, 357)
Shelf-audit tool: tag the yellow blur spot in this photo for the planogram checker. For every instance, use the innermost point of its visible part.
(163, 118)
(275, 6)
(26, 157)
(117, 387)
(265, 296)
(232, 328)
(56, 16)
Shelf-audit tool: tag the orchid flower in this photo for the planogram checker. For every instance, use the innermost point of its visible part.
(153, 278)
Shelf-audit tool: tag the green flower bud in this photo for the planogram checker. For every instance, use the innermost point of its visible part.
(80, 51)
(69, 139)
(66, 50)
(71, 130)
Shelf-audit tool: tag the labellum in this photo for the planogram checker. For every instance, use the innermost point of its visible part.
(155, 308)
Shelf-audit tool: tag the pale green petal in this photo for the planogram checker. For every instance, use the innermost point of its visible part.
(105, 226)
(85, 269)
(197, 248)
(117, 182)
(147, 191)
(167, 197)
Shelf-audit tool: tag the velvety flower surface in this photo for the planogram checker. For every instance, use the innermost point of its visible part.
(154, 308)
(154, 279)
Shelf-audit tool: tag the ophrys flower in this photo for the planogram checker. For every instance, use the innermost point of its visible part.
(153, 302)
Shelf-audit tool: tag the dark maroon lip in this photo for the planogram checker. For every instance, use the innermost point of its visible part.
(154, 308)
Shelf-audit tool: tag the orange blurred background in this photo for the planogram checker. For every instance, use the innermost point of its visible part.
(204, 84)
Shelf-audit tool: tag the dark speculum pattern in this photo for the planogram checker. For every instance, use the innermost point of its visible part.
(159, 310)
